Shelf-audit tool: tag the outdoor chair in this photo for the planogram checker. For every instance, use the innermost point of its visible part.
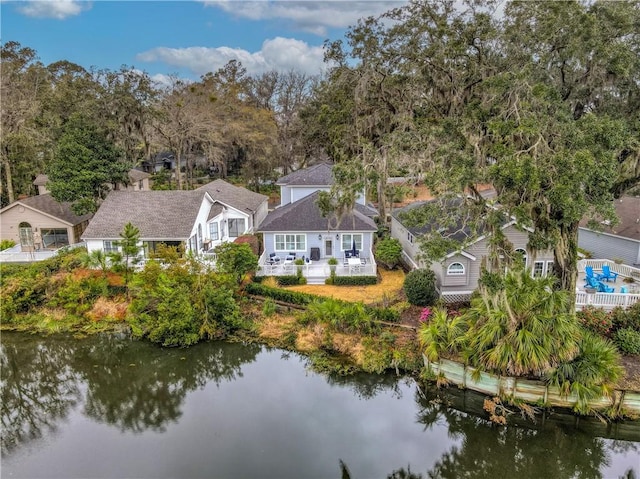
(607, 274)
(589, 272)
(273, 259)
(603, 288)
(592, 282)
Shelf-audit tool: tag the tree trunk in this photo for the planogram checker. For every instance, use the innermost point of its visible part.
(9, 177)
(566, 260)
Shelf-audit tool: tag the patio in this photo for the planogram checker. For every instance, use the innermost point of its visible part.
(624, 294)
(317, 271)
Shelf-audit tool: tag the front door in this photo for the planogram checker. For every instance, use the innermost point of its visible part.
(328, 248)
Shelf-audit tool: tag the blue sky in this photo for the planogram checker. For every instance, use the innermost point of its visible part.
(188, 38)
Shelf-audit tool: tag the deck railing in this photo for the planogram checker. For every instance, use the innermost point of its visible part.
(622, 269)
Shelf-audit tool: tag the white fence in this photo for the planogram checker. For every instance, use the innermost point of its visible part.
(608, 301)
(621, 269)
(16, 255)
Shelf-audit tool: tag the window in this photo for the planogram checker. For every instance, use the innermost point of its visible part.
(549, 268)
(213, 231)
(110, 246)
(200, 233)
(193, 243)
(455, 269)
(236, 227)
(291, 242)
(54, 237)
(410, 237)
(538, 269)
(349, 239)
(523, 255)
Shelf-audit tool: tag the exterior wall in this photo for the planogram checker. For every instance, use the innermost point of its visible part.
(316, 239)
(201, 221)
(42, 189)
(223, 226)
(401, 233)
(142, 185)
(260, 215)
(11, 218)
(291, 194)
(607, 246)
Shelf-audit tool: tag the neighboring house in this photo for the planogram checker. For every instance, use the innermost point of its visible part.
(621, 242)
(41, 222)
(199, 220)
(458, 272)
(301, 183)
(138, 181)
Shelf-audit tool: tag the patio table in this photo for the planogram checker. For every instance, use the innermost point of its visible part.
(354, 265)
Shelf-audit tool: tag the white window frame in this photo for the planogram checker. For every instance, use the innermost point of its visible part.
(214, 235)
(290, 242)
(110, 246)
(358, 238)
(524, 255)
(240, 233)
(456, 272)
(410, 237)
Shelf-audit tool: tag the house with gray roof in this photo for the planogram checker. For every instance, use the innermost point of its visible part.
(619, 242)
(298, 230)
(199, 220)
(138, 181)
(41, 223)
(457, 273)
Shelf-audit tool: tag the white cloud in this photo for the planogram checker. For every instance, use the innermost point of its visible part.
(311, 16)
(58, 9)
(281, 54)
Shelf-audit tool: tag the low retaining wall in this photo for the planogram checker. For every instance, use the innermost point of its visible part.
(528, 390)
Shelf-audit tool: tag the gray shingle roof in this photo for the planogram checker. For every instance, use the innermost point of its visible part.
(458, 232)
(137, 175)
(317, 175)
(41, 180)
(628, 211)
(235, 196)
(304, 215)
(157, 214)
(47, 204)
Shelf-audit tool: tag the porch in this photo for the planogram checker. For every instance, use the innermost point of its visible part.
(317, 271)
(625, 294)
(16, 255)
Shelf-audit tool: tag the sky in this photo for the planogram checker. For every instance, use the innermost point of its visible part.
(185, 38)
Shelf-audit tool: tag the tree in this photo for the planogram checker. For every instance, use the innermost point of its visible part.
(86, 166)
(538, 104)
(130, 245)
(236, 259)
(388, 252)
(420, 287)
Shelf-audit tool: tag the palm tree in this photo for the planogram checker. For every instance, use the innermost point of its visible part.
(522, 328)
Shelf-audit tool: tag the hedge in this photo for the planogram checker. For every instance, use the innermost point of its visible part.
(290, 280)
(352, 280)
(292, 297)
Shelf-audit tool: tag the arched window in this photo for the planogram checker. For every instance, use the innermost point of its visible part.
(455, 269)
(26, 234)
(523, 254)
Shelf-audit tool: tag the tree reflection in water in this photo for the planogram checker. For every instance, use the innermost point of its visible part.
(37, 390)
(484, 450)
(132, 385)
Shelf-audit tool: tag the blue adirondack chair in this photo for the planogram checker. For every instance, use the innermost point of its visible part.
(603, 288)
(607, 274)
(592, 282)
(589, 272)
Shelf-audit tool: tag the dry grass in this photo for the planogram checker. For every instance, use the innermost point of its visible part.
(349, 345)
(275, 326)
(311, 339)
(387, 289)
(108, 310)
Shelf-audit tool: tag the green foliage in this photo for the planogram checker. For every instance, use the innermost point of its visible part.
(420, 287)
(77, 296)
(236, 259)
(343, 316)
(591, 374)
(626, 318)
(354, 280)
(332, 261)
(390, 315)
(6, 244)
(388, 252)
(268, 307)
(523, 330)
(293, 297)
(85, 165)
(628, 341)
(596, 320)
(290, 280)
(443, 335)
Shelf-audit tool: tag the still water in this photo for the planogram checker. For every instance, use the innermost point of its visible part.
(113, 408)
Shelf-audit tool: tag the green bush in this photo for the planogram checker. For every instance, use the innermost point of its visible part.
(626, 318)
(293, 297)
(628, 341)
(389, 315)
(420, 287)
(290, 280)
(6, 244)
(352, 280)
(596, 320)
(388, 252)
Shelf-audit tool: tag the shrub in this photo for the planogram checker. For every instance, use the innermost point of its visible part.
(269, 307)
(420, 287)
(6, 244)
(626, 318)
(293, 297)
(628, 341)
(390, 315)
(596, 320)
(388, 252)
(290, 280)
(352, 280)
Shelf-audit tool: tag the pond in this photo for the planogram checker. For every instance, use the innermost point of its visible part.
(110, 407)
